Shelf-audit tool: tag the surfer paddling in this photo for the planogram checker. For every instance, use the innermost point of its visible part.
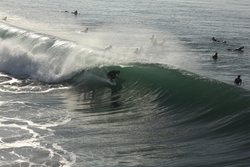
(216, 40)
(240, 49)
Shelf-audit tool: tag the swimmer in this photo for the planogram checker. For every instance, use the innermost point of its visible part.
(5, 18)
(238, 81)
(113, 74)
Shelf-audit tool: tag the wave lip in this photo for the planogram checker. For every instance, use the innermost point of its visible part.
(41, 57)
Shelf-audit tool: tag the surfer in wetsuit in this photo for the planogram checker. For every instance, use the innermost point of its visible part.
(115, 95)
(215, 56)
(238, 80)
(215, 40)
(75, 12)
(113, 74)
(239, 49)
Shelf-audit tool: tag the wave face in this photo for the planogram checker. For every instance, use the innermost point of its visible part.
(156, 110)
(202, 98)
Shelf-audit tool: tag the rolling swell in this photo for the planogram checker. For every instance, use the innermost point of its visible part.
(178, 115)
(191, 99)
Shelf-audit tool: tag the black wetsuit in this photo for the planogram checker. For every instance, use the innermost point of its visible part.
(113, 74)
(238, 81)
(215, 56)
(239, 49)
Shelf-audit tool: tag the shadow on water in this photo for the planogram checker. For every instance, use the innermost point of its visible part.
(91, 99)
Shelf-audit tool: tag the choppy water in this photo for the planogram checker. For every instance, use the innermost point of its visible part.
(172, 105)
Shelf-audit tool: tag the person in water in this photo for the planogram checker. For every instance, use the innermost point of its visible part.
(215, 56)
(75, 12)
(239, 49)
(113, 74)
(216, 40)
(238, 80)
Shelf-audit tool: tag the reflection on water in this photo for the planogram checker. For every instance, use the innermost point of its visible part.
(96, 99)
(115, 93)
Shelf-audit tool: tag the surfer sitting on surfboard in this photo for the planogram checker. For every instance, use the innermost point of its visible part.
(215, 56)
(238, 80)
(113, 74)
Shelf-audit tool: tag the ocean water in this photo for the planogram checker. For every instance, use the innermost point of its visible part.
(172, 104)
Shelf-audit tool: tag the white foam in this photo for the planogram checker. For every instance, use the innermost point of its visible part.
(35, 141)
(49, 59)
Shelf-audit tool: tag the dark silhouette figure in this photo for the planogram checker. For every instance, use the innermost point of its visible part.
(75, 12)
(113, 74)
(238, 80)
(215, 56)
(239, 49)
(115, 90)
(216, 40)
